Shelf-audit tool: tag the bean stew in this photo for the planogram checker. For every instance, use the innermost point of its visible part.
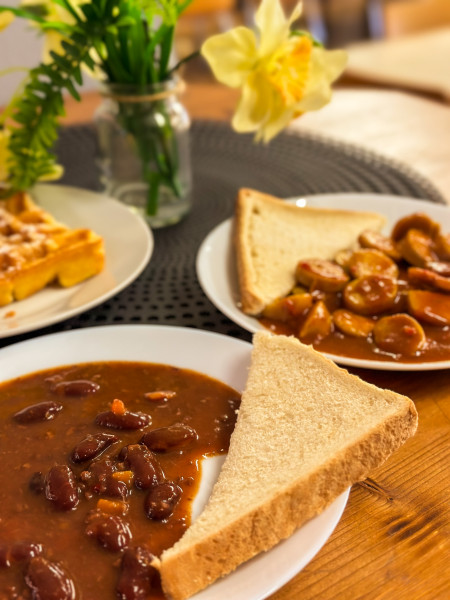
(100, 465)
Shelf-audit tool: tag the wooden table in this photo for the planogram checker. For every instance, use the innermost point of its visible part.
(393, 539)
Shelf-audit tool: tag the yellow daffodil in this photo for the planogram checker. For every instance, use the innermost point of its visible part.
(282, 73)
(56, 172)
(6, 18)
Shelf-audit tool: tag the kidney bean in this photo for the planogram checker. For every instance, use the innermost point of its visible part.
(78, 387)
(110, 531)
(115, 488)
(137, 575)
(169, 438)
(43, 411)
(146, 469)
(161, 500)
(61, 488)
(47, 581)
(18, 552)
(106, 485)
(37, 483)
(97, 478)
(127, 420)
(92, 446)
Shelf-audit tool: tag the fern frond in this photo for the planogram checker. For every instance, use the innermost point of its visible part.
(37, 111)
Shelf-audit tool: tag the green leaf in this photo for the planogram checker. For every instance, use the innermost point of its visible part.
(72, 90)
(166, 49)
(119, 71)
(183, 61)
(61, 61)
(304, 33)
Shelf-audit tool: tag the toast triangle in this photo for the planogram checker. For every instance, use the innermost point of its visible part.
(306, 431)
(271, 236)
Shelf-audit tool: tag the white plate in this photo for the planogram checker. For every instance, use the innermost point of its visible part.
(216, 265)
(128, 248)
(218, 356)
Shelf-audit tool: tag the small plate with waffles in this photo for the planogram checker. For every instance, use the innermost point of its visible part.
(63, 251)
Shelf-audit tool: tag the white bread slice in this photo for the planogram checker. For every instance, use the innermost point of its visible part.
(271, 236)
(306, 431)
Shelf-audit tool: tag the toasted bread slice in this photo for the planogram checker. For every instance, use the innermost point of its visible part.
(306, 431)
(271, 236)
(36, 250)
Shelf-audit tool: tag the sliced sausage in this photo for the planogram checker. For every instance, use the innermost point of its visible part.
(371, 262)
(430, 307)
(378, 241)
(399, 334)
(418, 221)
(352, 324)
(417, 248)
(427, 278)
(321, 275)
(370, 295)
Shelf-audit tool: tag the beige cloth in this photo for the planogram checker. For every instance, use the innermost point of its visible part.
(419, 61)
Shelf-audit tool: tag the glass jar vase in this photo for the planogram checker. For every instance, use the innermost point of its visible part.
(143, 137)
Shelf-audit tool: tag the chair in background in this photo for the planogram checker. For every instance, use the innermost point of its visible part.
(402, 17)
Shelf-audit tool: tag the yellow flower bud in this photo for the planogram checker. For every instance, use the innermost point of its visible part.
(6, 18)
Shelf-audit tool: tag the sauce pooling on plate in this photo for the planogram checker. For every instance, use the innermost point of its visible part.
(100, 465)
(388, 299)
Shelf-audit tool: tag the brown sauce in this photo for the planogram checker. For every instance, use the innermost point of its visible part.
(339, 344)
(387, 299)
(28, 448)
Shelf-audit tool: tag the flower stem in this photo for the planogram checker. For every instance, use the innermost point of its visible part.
(156, 146)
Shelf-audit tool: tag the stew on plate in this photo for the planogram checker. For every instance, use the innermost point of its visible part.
(387, 299)
(100, 465)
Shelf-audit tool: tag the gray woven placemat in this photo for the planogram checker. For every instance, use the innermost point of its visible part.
(168, 292)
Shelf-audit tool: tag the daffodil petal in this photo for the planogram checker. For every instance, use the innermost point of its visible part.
(231, 55)
(315, 98)
(296, 12)
(279, 118)
(273, 26)
(6, 18)
(326, 66)
(254, 105)
(331, 62)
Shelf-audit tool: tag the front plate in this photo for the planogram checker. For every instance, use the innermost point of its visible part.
(218, 356)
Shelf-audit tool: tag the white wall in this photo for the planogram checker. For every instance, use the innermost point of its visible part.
(20, 46)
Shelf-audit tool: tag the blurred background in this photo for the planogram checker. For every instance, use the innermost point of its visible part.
(357, 24)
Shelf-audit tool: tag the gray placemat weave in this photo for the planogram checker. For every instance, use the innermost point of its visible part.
(168, 292)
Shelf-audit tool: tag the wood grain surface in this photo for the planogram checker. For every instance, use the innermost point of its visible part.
(393, 539)
(392, 542)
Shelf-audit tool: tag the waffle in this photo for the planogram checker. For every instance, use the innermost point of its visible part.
(36, 250)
